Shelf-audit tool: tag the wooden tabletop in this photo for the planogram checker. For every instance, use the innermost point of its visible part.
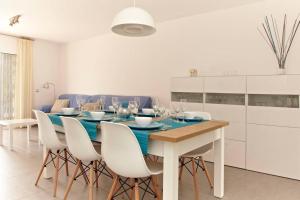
(183, 133)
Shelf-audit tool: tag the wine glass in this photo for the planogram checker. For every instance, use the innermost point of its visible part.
(176, 108)
(183, 108)
(132, 106)
(138, 102)
(102, 102)
(116, 104)
(80, 101)
(155, 106)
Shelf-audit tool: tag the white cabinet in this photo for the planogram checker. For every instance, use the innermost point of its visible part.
(236, 115)
(235, 152)
(264, 116)
(227, 84)
(274, 150)
(187, 84)
(289, 117)
(281, 84)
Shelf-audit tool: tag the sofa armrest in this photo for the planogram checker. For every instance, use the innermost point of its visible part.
(46, 108)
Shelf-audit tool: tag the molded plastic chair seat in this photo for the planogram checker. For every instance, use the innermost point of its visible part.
(81, 147)
(155, 168)
(195, 157)
(199, 152)
(123, 155)
(53, 145)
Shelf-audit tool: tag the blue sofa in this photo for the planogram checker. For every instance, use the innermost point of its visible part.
(145, 101)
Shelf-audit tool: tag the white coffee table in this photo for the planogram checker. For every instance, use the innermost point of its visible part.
(15, 123)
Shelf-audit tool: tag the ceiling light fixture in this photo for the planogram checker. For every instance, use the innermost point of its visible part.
(133, 22)
(14, 20)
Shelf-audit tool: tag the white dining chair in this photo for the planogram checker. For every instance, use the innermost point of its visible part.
(54, 147)
(122, 154)
(81, 147)
(196, 158)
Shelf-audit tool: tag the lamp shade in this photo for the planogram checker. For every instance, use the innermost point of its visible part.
(134, 22)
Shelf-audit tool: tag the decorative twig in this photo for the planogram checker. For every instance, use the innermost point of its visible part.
(278, 43)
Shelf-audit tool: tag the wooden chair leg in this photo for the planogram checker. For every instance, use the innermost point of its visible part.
(71, 180)
(66, 162)
(132, 189)
(155, 187)
(206, 172)
(113, 187)
(181, 168)
(56, 173)
(136, 189)
(196, 186)
(96, 172)
(42, 168)
(83, 173)
(91, 181)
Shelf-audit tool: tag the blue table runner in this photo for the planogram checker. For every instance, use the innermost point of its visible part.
(141, 135)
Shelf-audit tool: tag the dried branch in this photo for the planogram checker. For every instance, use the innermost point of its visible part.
(279, 44)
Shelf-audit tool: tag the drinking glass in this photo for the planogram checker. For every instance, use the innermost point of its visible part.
(176, 109)
(116, 104)
(132, 106)
(80, 101)
(138, 102)
(155, 105)
(183, 108)
(102, 102)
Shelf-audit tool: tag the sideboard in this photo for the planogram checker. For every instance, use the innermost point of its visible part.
(264, 116)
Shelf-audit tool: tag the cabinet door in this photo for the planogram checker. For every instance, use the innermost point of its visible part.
(289, 117)
(187, 84)
(273, 150)
(277, 84)
(227, 84)
(236, 115)
(234, 153)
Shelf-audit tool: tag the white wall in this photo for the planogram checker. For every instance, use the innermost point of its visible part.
(46, 57)
(221, 42)
(46, 60)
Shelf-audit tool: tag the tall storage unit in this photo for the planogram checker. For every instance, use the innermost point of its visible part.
(273, 124)
(225, 100)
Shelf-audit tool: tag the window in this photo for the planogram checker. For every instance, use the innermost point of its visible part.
(7, 85)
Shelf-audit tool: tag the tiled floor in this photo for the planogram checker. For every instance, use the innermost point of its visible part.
(18, 170)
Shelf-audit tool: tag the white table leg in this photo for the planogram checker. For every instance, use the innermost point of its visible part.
(46, 173)
(170, 174)
(28, 133)
(11, 137)
(1, 135)
(219, 165)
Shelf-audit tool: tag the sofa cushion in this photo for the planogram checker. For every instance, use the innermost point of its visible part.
(91, 106)
(59, 104)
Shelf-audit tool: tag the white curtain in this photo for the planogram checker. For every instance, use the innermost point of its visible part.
(7, 85)
(23, 85)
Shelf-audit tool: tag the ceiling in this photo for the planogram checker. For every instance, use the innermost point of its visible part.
(71, 20)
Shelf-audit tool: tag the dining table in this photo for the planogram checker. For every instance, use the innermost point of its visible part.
(170, 144)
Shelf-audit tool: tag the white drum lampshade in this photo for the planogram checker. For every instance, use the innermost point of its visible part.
(133, 22)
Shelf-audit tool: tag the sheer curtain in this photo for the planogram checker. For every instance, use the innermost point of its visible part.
(23, 85)
(7, 85)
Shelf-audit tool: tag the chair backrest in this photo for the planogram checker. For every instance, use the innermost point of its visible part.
(47, 132)
(121, 151)
(78, 140)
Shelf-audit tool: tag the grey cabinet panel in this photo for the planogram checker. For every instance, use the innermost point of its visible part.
(273, 100)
